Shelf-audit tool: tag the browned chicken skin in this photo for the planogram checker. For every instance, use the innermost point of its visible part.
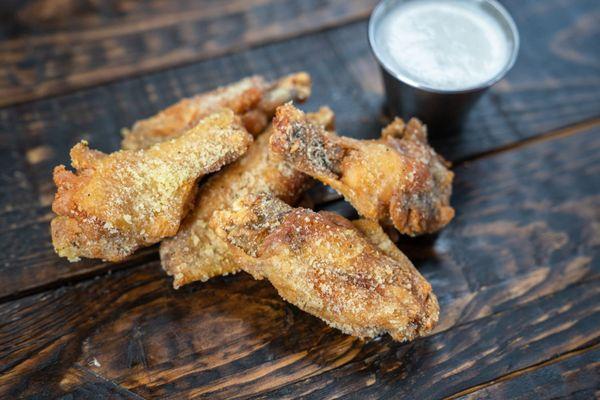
(397, 179)
(116, 203)
(351, 276)
(253, 99)
(196, 252)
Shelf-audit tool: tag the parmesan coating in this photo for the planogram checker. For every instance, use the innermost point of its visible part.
(350, 276)
(253, 99)
(196, 253)
(115, 203)
(398, 179)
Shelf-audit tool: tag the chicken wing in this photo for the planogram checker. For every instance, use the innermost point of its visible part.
(397, 179)
(196, 252)
(116, 203)
(253, 98)
(350, 276)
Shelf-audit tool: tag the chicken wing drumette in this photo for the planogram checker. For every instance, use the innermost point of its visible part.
(253, 99)
(350, 276)
(397, 179)
(116, 203)
(196, 252)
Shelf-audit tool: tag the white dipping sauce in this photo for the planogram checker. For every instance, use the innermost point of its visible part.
(443, 44)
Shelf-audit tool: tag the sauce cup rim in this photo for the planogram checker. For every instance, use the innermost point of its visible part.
(375, 18)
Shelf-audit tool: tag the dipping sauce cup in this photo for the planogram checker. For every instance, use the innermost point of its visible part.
(438, 56)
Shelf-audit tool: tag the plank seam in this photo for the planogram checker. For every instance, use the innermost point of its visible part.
(533, 367)
(563, 132)
(520, 305)
(348, 20)
(595, 342)
(139, 261)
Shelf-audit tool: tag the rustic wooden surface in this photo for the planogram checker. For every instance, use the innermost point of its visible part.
(82, 43)
(516, 272)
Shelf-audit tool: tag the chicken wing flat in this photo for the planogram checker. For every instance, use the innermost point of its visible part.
(398, 179)
(116, 203)
(350, 276)
(196, 252)
(253, 99)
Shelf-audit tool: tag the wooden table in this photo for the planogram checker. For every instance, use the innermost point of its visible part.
(516, 272)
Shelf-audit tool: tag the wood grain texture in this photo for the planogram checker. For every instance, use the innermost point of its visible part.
(36, 136)
(574, 376)
(84, 383)
(74, 44)
(516, 274)
(235, 338)
(443, 364)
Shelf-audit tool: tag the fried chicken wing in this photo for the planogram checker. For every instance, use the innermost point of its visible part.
(350, 276)
(397, 179)
(196, 252)
(116, 203)
(253, 99)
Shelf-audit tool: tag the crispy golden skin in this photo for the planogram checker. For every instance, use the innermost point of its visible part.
(397, 179)
(350, 276)
(253, 99)
(196, 252)
(116, 203)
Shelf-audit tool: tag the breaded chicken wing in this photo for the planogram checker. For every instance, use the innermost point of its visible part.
(196, 252)
(397, 179)
(352, 277)
(253, 99)
(116, 203)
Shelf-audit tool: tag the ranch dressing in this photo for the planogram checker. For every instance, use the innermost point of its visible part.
(443, 44)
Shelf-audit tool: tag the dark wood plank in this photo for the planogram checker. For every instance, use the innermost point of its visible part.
(87, 43)
(572, 377)
(513, 217)
(234, 338)
(34, 137)
(516, 274)
(441, 365)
